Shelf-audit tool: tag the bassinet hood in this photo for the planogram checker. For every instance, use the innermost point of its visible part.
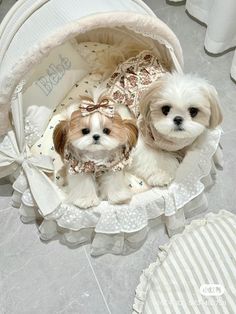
(26, 39)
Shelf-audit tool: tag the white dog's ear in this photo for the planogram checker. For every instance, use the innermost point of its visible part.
(216, 113)
(152, 93)
(146, 100)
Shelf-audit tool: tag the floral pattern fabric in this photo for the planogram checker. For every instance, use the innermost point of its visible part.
(132, 77)
(116, 162)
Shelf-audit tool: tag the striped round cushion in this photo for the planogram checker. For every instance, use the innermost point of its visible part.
(195, 272)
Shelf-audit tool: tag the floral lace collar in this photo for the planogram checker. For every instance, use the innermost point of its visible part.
(117, 161)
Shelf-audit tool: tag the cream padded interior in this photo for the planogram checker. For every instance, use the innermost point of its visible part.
(45, 146)
(47, 84)
(83, 87)
(51, 80)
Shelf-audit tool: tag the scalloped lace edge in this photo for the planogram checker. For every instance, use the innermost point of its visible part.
(210, 155)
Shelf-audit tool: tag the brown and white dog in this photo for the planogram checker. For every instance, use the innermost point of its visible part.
(95, 144)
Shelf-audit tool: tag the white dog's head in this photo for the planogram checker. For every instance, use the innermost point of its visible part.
(180, 106)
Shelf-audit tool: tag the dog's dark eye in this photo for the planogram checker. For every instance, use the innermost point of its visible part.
(85, 131)
(193, 111)
(165, 109)
(106, 131)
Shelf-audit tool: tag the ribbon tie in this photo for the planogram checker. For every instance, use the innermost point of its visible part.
(42, 188)
(104, 105)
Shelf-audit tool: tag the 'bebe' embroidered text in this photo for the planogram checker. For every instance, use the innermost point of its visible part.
(54, 74)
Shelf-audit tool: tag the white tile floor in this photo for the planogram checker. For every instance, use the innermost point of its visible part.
(51, 278)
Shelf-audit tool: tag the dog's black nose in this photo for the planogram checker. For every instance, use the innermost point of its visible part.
(178, 120)
(96, 137)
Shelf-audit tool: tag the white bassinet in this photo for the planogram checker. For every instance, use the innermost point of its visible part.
(42, 59)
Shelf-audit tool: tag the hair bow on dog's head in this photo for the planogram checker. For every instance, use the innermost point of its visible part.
(104, 105)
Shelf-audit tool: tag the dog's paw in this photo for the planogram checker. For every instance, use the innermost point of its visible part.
(161, 178)
(86, 202)
(120, 197)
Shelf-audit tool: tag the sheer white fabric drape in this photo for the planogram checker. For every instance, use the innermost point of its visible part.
(220, 18)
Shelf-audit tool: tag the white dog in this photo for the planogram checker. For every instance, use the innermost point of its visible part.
(174, 111)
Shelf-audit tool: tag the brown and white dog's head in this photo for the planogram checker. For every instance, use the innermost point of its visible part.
(180, 106)
(94, 132)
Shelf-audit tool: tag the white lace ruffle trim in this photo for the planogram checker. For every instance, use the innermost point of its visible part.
(122, 228)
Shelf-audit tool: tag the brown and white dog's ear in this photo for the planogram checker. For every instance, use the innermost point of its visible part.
(216, 113)
(131, 131)
(60, 136)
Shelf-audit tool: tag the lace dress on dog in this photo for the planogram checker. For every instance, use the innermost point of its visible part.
(132, 77)
(115, 162)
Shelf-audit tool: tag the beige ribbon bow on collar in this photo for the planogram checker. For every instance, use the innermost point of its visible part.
(104, 105)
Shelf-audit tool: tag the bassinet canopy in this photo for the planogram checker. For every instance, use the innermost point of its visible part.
(42, 57)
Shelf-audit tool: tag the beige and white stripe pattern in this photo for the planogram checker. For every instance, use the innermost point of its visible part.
(204, 255)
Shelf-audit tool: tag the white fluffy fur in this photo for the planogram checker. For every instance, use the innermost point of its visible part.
(84, 190)
(89, 147)
(157, 163)
(156, 167)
